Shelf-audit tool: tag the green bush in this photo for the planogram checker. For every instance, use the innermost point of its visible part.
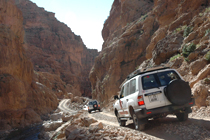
(175, 57)
(187, 31)
(207, 10)
(188, 49)
(207, 32)
(207, 56)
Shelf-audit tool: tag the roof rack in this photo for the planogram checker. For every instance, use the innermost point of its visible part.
(145, 70)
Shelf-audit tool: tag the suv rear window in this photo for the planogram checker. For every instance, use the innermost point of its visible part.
(167, 76)
(158, 79)
(149, 81)
(92, 103)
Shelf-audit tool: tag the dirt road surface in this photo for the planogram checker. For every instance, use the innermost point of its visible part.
(169, 128)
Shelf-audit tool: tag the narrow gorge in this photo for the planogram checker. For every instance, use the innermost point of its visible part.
(41, 61)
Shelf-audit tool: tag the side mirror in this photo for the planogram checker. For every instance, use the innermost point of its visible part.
(116, 97)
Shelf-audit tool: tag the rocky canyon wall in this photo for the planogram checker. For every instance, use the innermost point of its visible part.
(30, 90)
(147, 33)
(54, 48)
(20, 102)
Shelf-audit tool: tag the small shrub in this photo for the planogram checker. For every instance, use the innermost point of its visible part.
(207, 56)
(142, 18)
(191, 47)
(181, 28)
(207, 81)
(175, 57)
(198, 45)
(188, 49)
(187, 31)
(207, 32)
(187, 59)
(207, 10)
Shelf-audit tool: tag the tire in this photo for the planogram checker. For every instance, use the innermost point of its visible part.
(182, 116)
(89, 111)
(178, 92)
(99, 110)
(121, 122)
(137, 123)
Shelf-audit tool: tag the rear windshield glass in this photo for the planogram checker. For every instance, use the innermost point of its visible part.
(92, 103)
(158, 79)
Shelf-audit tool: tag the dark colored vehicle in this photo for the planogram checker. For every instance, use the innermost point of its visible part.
(93, 106)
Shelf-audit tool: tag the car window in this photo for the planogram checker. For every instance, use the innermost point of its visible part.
(166, 77)
(127, 89)
(90, 103)
(122, 94)
(93, 102)
(149, 82)
(133, 86)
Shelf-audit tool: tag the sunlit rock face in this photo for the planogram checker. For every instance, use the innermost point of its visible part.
(150, 31)
(54, 48)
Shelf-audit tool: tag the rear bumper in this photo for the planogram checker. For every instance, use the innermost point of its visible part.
(92, 109)
(144, 113)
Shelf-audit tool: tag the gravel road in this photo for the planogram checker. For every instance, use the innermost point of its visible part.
(195, 128)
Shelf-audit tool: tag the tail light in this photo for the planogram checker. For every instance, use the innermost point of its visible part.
(140, 100)
(98, 105)
(88, 107)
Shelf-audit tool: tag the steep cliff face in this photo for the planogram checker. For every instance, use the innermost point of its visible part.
(54, 48)
(15, 70)
(153, 32)
(25, 95)
(126, 33)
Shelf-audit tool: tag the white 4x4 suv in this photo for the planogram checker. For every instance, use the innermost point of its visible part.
(151, 94)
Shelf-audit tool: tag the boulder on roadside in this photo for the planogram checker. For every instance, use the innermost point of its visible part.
(66, 117)
(200, 93)
(56, 116)
(70, 129)
(76, 134)
(95, 127)
(87, 121)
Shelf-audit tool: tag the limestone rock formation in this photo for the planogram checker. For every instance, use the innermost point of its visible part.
(153, 33)
(54, 48)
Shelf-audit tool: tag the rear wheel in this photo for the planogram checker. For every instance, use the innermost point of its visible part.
(121, 122)
(182, 116)
(89, 111)
(137, 123)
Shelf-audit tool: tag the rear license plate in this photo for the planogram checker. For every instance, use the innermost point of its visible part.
(153, 98)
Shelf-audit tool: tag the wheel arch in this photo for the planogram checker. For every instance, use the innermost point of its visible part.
(131, 110)
(115, 112)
